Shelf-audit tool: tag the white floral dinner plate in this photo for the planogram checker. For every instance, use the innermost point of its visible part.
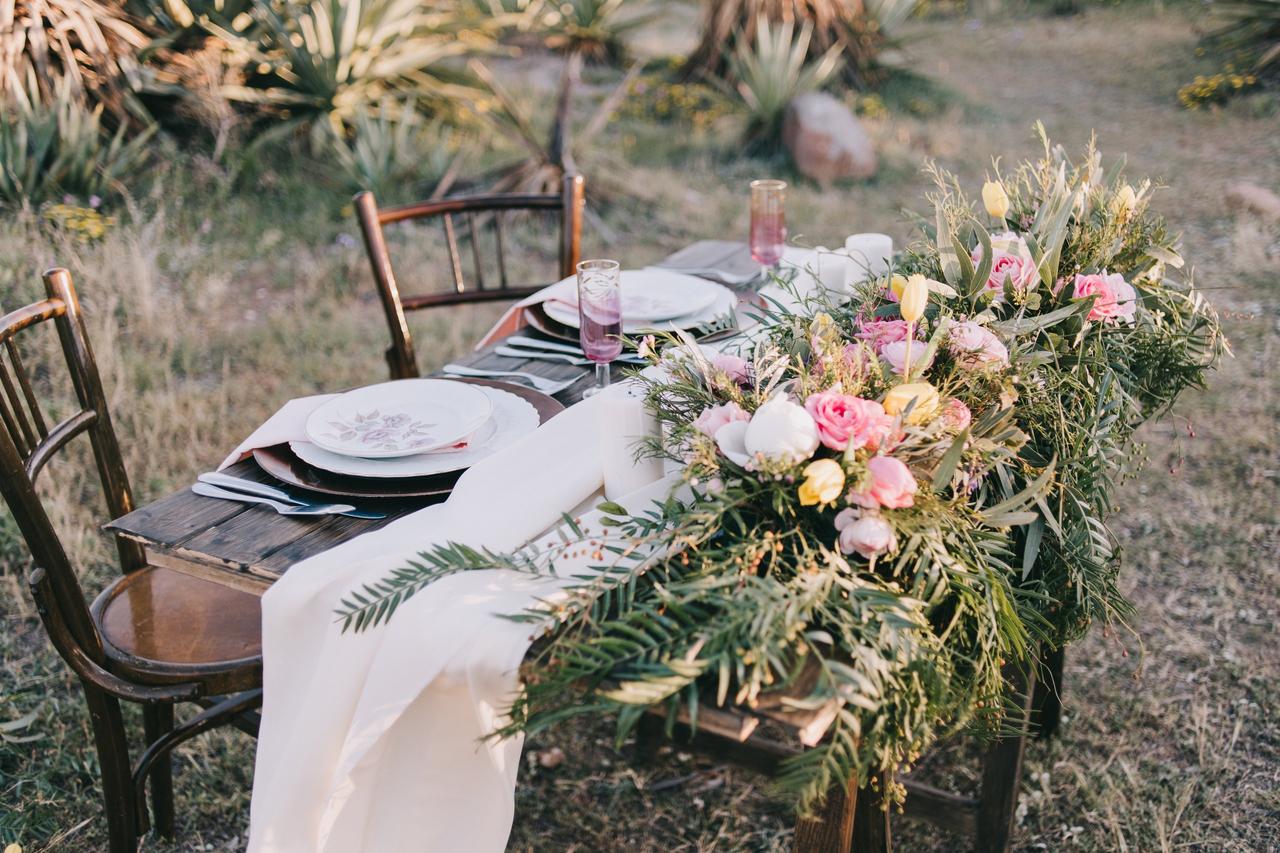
(649, 296)
(512, 418)
(400, 418)
(723, 302)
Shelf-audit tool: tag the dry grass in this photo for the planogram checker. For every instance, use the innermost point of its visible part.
(208, 310)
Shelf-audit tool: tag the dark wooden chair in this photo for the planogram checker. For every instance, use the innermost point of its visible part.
(857, 819)
(154, 636)
(477, 212)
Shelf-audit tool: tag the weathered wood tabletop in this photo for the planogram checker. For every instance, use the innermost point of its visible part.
(249, 546)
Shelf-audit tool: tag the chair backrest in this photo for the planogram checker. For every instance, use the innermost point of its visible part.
(27, 443)
(568, 202)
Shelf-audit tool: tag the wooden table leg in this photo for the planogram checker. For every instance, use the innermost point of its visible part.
(851, 819)
(1002, 772)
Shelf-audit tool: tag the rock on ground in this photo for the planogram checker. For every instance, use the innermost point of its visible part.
(826, 140)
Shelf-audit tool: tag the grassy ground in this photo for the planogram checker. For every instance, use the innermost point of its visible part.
(208, 309)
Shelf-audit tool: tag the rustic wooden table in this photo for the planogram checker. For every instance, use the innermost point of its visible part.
(249, 546)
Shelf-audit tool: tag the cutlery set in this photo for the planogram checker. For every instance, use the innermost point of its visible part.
(225, 487)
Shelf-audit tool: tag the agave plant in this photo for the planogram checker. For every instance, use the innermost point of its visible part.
(392, 149)
(59, 148)
(774, 71)
(862, 30)
(93, 46)
(321, 61)
(597, 29)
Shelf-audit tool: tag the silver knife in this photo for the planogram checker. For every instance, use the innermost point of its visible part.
(249, 487)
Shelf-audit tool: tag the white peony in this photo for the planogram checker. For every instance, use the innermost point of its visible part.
(781, 429)
(731, 439)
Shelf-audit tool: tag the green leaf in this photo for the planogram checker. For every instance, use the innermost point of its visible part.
(947, 467)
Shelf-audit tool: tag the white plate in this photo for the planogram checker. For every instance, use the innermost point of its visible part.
(401, 418)
(513, 417)
(648, 296)
(722, 303)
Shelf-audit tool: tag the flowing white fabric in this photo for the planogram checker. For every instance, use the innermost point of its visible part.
(375, 741)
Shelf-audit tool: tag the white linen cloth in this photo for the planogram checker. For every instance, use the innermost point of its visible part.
(373, 741)
(288, 424)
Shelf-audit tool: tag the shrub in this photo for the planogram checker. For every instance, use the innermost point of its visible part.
(89, 46)
(60, 148)
(595, 28)
(772, 72)
(322, 61)
(392, 151)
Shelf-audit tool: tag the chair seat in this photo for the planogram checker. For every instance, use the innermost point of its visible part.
(162, 626)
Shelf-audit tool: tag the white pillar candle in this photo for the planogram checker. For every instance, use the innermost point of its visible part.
(833, 272)
(870, 255)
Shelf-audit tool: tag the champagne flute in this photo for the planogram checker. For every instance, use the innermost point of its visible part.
(768, 223)
(600, 316)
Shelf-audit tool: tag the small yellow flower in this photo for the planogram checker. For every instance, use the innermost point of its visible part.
(896, 285)
(824, 481)
(1124, 202)
(913, 298)
(995, 199)
(925, 396)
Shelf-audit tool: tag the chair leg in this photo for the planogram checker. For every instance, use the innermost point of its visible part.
(158, 721)
(851, 820)
(113, 757)
(1047, 707)
(1002, 773)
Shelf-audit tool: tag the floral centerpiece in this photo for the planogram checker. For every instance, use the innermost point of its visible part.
(894, 497)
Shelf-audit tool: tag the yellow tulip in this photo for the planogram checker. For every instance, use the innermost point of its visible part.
(1124, 202)
(896, 283)
(924, 395)
(996, 199)
(914, 296)
(823, 483)
(13, 848)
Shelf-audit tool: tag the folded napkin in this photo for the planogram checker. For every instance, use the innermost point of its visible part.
(726, 261)
(376, 741)
(513, 319)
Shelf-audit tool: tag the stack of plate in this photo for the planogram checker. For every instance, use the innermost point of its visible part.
(407, 438)
(652, 299)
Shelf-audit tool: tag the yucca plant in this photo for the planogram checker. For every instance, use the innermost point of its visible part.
(597, 29)
(860, 29)
(392, 149)
(1249, 37)
(319, 62)
(59, 148)
(93, 46)
(773, 71)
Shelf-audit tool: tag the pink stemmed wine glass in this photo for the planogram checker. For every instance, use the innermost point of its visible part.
(768, 223)
(600, 316)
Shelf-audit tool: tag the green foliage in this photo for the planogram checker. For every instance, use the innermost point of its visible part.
(1249, 36)
(392, 150)
(773, 71)
(597, 29)
(320, 62)
(47, 151)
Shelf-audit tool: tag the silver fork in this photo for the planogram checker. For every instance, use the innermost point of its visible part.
(208, 491)
(541, 383)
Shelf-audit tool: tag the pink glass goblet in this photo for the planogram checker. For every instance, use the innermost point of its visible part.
(600, 316)
(768, 223)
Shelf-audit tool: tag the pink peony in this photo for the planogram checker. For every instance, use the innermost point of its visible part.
(1011, 261)
(895, 355)
(1117, 301)
(974, 345)
(845, 420)
(736, 367)
(878, 333)
(869, 536)
(956, 415)
(889, 484)
(713, 418)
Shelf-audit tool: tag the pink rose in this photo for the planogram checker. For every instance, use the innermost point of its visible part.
(714, 417)
(737, 368)
(895, 355)
(1116, 301)
(956, 415)
(869, 536)
(889, 484)
(845, 420)
(1010, 261)
(880, 332)
(974, 345)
